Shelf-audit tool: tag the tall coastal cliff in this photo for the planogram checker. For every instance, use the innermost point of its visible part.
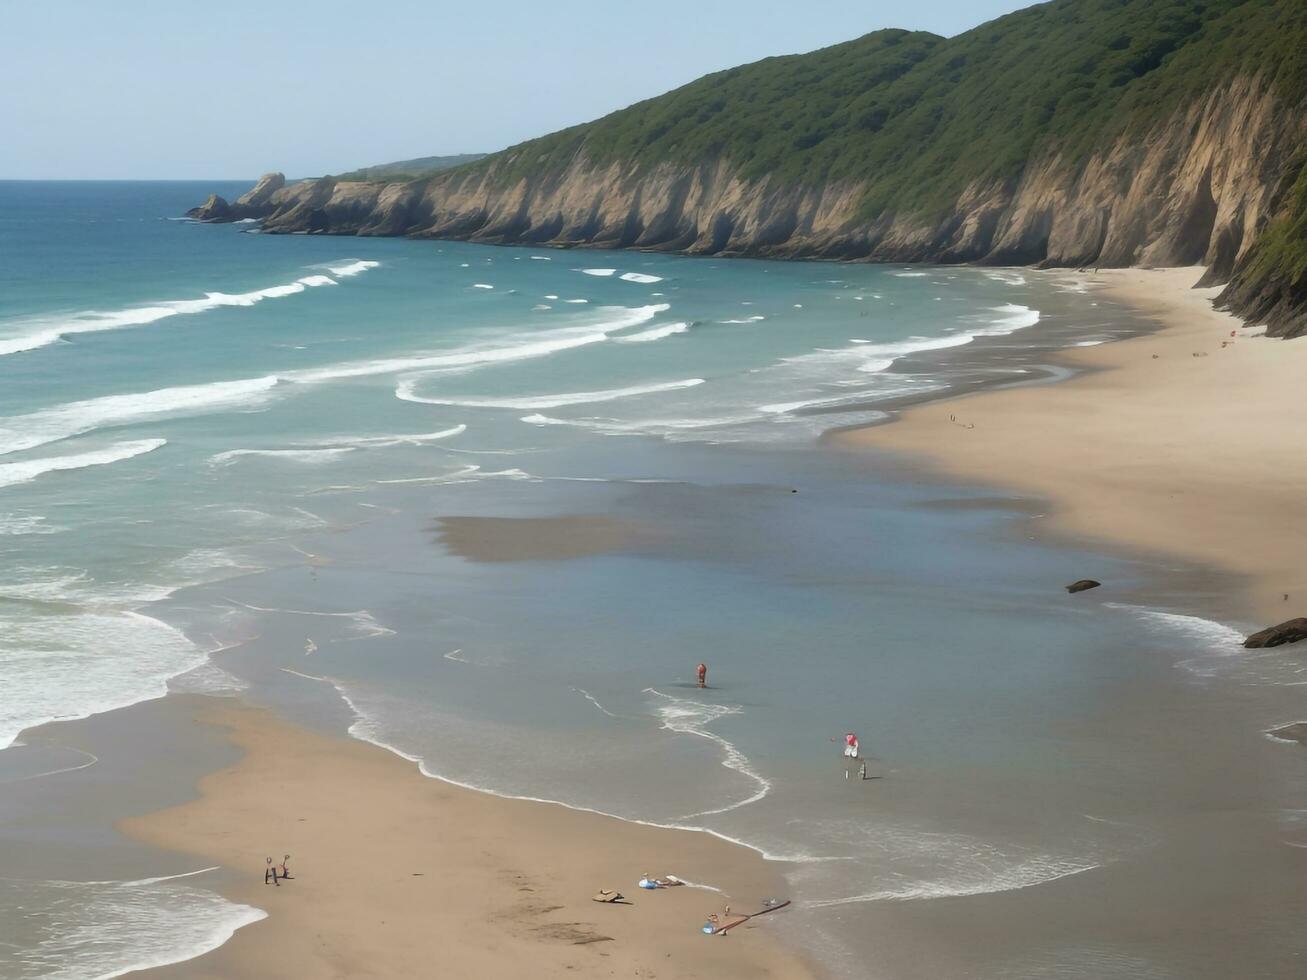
(1077, 133)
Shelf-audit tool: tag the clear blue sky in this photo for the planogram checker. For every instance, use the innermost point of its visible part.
(184, 89)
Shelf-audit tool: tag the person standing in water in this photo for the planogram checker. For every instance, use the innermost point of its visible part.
(703, 675)
(850, 745)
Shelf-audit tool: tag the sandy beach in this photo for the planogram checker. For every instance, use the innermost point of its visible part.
(396, 875)
(1185, 442)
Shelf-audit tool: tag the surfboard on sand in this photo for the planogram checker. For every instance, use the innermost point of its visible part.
(717, 928)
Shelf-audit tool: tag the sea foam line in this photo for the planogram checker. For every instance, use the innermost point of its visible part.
(405, 392)
(55, 772)
(1027, 875)
(363, 620)
(595, 701)
(688, 717)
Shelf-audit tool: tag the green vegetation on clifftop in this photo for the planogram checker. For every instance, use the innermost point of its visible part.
(414, 169)
(917, 117)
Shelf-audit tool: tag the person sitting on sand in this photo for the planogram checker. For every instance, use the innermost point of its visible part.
(270, 871)
(285, 867)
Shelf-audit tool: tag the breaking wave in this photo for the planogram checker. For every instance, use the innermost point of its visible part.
(44, 331)
(12, 473)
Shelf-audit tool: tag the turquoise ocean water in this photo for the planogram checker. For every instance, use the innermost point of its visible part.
(223, 458)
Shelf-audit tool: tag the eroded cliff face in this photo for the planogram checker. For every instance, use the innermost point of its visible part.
(1197, 188)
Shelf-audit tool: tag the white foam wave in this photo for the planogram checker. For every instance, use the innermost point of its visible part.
(353, 268)
(783, 408)
(522, 347)
(34, 333)
(1215, 636)
(405, 392)
(576, 301)
(872, 358)
(909, 275)
(1218, 649)
(19, 432)
(12, 473)
(747, 319)
(106, 929)
(654, 333)
(482, 285)
(986, 881)
(1014, 317)
(658, 427)
(1006, 276)
(640, 277)
(599, 272)
(68, 665)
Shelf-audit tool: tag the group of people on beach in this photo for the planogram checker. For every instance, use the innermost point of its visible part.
(277, 873)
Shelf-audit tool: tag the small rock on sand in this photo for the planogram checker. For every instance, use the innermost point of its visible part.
(1084, 585)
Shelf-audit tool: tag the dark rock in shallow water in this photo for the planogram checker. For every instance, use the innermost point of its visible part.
(1084, 585)
(214, 209)
(1297, 732)
(1290, 631)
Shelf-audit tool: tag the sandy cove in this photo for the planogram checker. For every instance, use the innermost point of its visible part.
(1153, 448)
(1180, 442)
(397, 875)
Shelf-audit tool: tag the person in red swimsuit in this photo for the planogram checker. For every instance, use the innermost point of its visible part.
(703, 675)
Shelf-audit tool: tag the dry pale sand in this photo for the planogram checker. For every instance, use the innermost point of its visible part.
(396, 875)
(1194, 456)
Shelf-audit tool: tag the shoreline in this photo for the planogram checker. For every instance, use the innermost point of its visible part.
(1175, 443)
(496, 886)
